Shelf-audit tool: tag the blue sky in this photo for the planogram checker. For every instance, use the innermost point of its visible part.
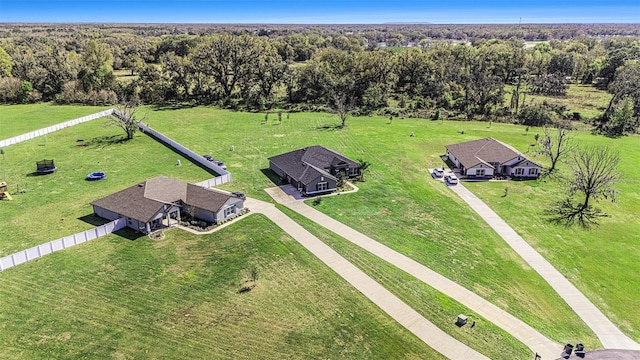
(321, 12)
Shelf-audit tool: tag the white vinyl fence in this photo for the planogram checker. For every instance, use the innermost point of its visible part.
(60, 244)
(79, 238)
(52, 128)
(223, 175)
(215, 181)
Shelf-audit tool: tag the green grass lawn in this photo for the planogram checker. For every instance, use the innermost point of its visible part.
(603, 261)
(438, 308)
(56, 205)
(178, 298)
(20, 119)
(398, 204)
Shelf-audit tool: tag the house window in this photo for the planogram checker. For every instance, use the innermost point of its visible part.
(480, 172)
(229, 211)
(519, 171)
(321, 186)
(533, 171)
(353, 171)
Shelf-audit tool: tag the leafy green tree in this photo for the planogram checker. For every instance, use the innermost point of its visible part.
(25, 91)
(268, 70)
(535, 115)
(622, 120)
(6, 64)
(97, 71)
(228, 59)
(627, 83)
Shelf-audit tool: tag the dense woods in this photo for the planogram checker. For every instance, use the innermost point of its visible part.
(430, 71)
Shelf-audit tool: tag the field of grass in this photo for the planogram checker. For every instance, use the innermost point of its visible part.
(19, 119)
(602, 262)
(177, 298)
(586, 100)
(398, 204)
(57, 205)
(124, 76)
(433, 305)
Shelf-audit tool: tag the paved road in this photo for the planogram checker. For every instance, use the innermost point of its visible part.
(610, 336)
(389, 303)
(520, 330)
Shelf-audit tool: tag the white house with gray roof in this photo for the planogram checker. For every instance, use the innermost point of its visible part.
(313, 170)
(485, 158)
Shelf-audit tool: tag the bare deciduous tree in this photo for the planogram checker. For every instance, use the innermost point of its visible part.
(341, 107)
(594, 174)
(555, 146)
(124, 117)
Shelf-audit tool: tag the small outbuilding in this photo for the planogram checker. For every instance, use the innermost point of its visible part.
(160, 202)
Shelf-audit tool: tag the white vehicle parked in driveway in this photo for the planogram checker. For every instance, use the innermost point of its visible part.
(438, 172)
(451, 179)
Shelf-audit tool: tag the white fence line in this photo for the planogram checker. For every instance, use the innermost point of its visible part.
(60, 244)
(183, 150)
(52, 128)
(79, 238)
(215, 181)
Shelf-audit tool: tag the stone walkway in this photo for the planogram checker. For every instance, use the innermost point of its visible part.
(388, 302)
(517, 328)
(610, 336)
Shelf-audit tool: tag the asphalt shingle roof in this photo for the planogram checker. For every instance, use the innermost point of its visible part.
(143, 201)
(485, 151)
(308, 163)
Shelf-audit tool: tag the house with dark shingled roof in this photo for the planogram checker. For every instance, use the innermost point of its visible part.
(313, 170)
(485, 158)
(158, 203)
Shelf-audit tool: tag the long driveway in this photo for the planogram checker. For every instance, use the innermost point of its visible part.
(389, 303)
(519, 329)
(610, 336)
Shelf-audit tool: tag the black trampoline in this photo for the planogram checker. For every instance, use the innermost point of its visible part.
(45, 167)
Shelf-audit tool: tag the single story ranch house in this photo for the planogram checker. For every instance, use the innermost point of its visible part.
(485, 158)
(314, 169)
(159, 202)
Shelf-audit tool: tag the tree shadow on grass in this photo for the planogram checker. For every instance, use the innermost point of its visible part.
(329, 127)
(173, 106)
(104, 141)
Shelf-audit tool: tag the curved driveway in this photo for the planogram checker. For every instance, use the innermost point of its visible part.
(610, 336)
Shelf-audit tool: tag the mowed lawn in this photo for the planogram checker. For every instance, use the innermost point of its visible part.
(435, 306)
(57, 204)
(177, 298)
(399, 204)
(20, 119)
(603, 261)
